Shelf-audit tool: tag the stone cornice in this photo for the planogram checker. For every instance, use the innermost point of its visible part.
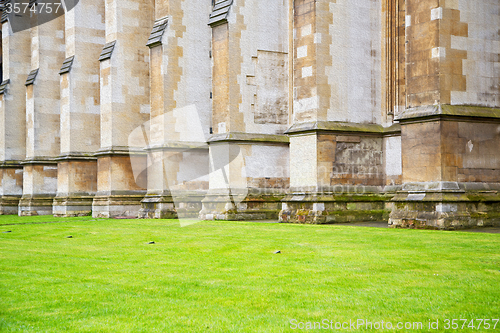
(40, 160)
(178, 145)
(449, 112)
(449, 187)
(119, 151)
(220, 12)
(249, 137)
(155, 38)
(77, 157)
(11, 164)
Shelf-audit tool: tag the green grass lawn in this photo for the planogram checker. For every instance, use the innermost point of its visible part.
(225, 277)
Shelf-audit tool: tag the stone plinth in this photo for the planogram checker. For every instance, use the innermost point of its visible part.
(446, 206)
(119, 189)
(338, 172)
(11, 177)
(39, 188)
(77, 185)
(451, 168)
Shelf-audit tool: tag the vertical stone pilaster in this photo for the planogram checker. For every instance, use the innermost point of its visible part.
(250, 110)
(449, 130)
(305, 63)
(16, 64)
(42, 118)
(180, 110)
(11, 174)
(338, 137)
(124, 106)
(423, 53)
(80, 117)
(394, 58)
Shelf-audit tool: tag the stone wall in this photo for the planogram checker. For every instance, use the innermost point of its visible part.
(80, 110)
(43, 131)
(16, 60)
(450, 126)
(310, 111)
(124, 105)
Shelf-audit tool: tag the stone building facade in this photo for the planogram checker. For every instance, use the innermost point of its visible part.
(310, 111)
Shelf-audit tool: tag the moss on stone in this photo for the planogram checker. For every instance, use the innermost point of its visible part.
(483, 197)
(343, 127)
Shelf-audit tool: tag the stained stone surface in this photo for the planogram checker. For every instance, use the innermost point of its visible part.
(305, 111)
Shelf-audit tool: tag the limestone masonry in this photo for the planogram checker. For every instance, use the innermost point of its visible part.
(306, 111)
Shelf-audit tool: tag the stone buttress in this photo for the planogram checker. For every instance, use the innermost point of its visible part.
(306, 111)
(80, 116)
(180, 110)
(42, 117)
(341, 137)
(451, 126)
(248, 149)
(124, 106)
(16, 64)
